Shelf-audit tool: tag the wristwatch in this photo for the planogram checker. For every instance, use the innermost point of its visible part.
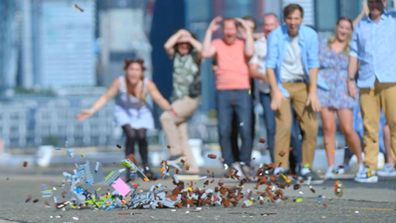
(351, 78)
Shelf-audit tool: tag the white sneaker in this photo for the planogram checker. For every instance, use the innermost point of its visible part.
(330, 173)
(44, 155)
(305, 171)
(237, 167)
(340, 170)
(334, 173)
(366, 175)
(279, 170)
(310, 177)
(361, 173)
(175, 162)
(387, 171)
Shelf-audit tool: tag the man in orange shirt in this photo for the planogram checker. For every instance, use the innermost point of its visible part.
(232, 85)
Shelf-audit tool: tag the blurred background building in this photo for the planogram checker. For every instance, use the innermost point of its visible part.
(56, 59)
(58, 44)
(9, 41)
(121, 35)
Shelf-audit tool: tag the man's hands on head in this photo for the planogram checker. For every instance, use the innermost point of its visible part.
(215, 24)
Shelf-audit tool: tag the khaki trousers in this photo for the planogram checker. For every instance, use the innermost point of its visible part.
(372, 101)
(306, 119)
(175, 128)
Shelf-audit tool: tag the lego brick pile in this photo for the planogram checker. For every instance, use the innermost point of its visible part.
(88, 188)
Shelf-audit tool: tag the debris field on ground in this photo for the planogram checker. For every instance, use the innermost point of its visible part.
(87, 187)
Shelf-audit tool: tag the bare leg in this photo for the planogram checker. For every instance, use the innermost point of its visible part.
(329, 130)
(388, 148)
(346, 122)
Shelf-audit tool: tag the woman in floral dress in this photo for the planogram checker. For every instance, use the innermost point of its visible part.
(335, 100)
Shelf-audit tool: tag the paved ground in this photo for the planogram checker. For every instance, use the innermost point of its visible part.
(360, 203)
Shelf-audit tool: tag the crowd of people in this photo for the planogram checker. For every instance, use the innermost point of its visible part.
(294, 75)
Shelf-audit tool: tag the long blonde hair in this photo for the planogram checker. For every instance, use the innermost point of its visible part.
(333, 38)
(130, 88)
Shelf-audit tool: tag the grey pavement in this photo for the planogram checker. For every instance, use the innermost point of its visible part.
(360, 203)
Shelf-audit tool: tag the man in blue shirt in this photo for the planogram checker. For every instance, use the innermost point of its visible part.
(257, 67)
(292, 68)
(373, 50)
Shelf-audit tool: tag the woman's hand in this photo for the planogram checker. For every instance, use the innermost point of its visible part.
(84, 114)
(184, 39)
(352, 89)
(365, 10)
(183, 32)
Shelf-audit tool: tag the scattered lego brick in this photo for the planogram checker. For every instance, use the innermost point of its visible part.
(212, 156)
(338, 190)
(77, 7)
(282, 153)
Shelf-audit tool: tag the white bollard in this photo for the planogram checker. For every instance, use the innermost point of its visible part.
(44, 155)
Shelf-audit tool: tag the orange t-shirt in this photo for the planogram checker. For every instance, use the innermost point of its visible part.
(232, 67)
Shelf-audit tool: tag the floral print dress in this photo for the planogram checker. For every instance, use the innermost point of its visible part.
(333, 69)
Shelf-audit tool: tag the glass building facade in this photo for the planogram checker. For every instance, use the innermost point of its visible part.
(8, 44)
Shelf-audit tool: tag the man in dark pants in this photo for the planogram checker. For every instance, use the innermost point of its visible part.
(232, 85)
